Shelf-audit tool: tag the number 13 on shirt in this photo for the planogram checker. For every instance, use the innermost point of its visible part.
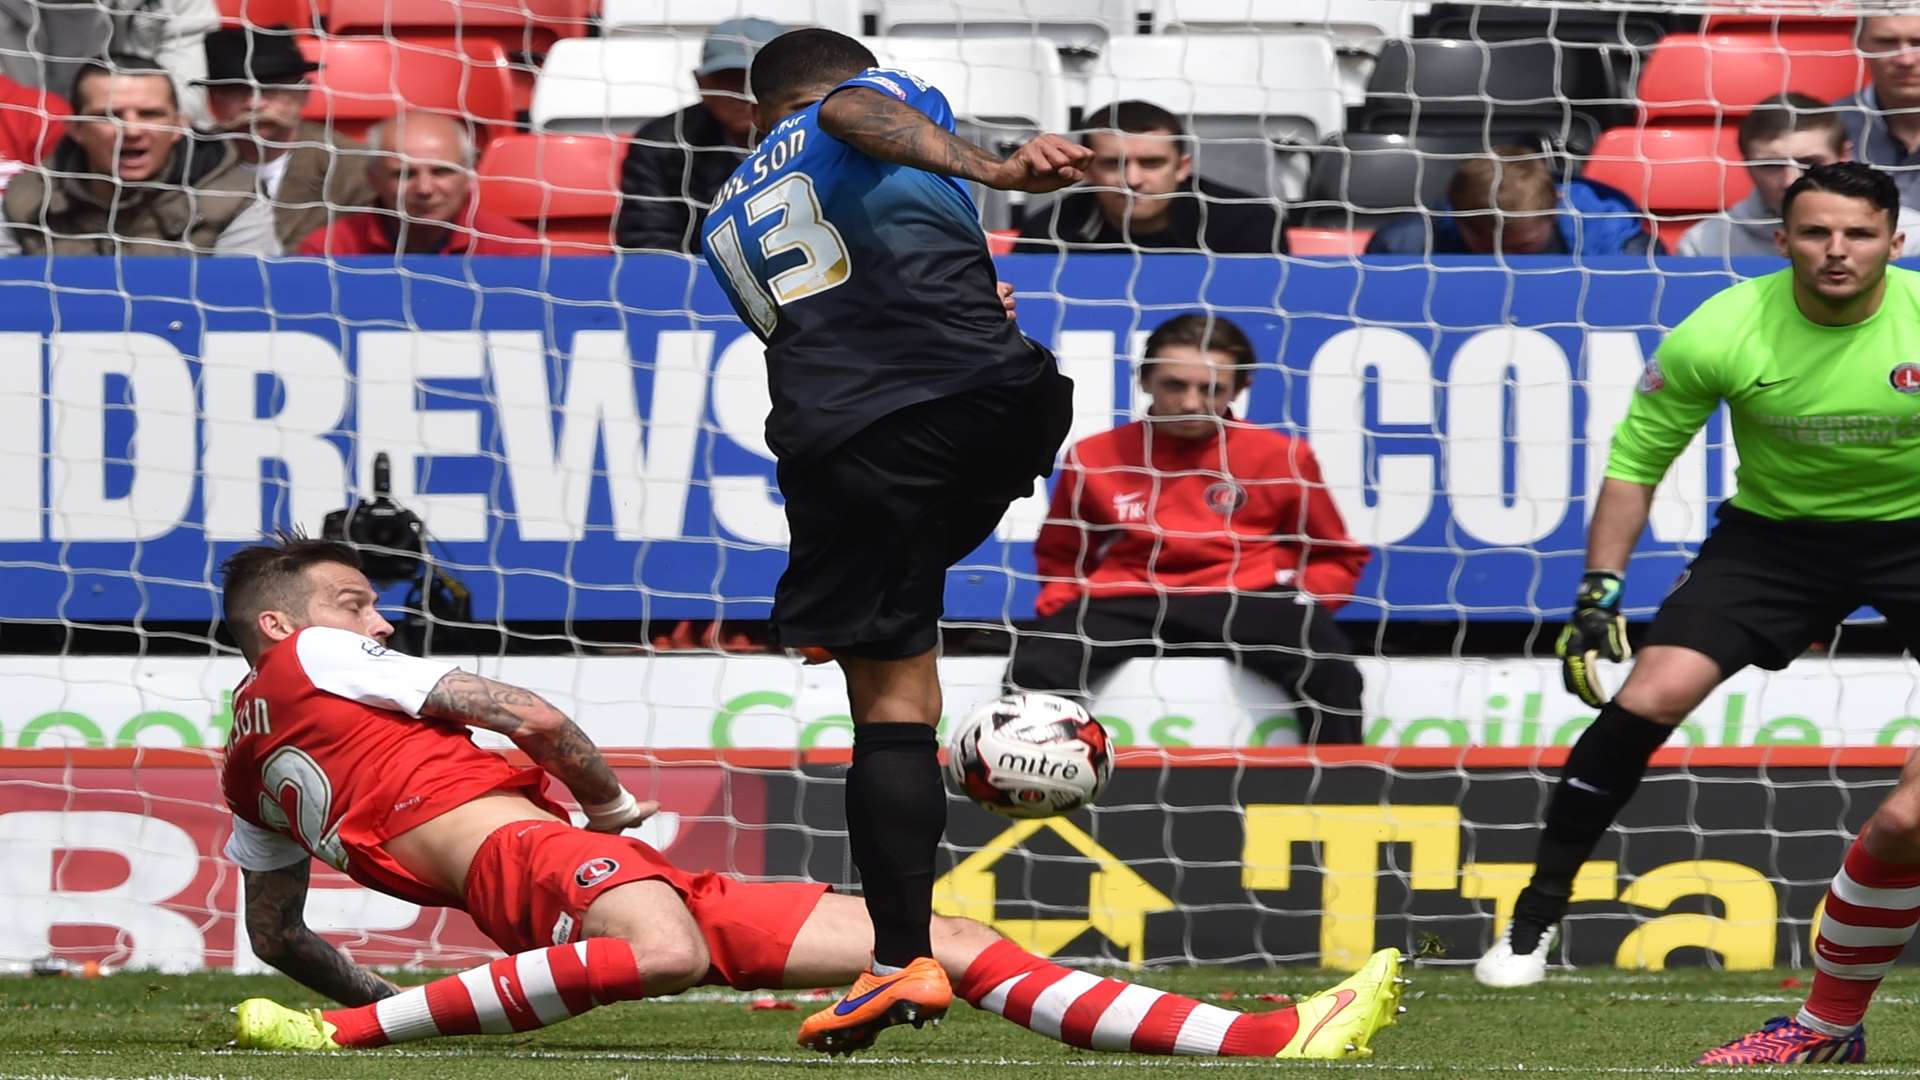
(798, 226)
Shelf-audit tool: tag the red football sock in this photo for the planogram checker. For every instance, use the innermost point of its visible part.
(1106, 1014)
(514, 993)
(1872, 909)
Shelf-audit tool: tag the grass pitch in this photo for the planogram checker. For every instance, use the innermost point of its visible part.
(1591, 1024)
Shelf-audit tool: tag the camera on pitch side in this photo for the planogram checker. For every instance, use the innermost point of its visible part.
(391, 538)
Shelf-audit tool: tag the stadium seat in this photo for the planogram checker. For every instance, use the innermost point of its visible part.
(1073, 25)
(612, 85)
(365, 80)
(1567, 24)
(1244, 96)
(1302, 240)
(1003, 90)
(1841, 25)
(566, 186)
(1726, 72)
(526, 29)
(1676, 172)
(1504, 89)
(299, 14)
(1362, 179)
(1345, 19)
(684, 16)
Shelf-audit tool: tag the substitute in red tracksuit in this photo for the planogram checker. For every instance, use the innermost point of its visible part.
(1192, 534)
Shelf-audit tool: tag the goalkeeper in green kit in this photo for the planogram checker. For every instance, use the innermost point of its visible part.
(1819, 365)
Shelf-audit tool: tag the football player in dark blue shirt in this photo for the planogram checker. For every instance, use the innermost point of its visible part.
(908, 413)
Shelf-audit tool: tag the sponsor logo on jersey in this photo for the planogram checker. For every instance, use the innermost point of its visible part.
(886, 84)
(1905, 378)
(1130, 506)
(594, 871)
(563, 929)
(1225, 497)
(1651, 380)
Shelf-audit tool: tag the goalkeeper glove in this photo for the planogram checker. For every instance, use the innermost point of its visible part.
(1597, 631)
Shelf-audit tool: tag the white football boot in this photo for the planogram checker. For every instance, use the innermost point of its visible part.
(1504, 968)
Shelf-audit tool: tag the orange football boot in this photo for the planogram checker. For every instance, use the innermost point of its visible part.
(917, 994)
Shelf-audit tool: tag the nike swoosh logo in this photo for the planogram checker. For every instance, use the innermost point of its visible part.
(1582, 785)
(847, 1006)
(1771, 385)
(1341, 999)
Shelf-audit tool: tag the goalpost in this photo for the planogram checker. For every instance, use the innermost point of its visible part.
(582, 437)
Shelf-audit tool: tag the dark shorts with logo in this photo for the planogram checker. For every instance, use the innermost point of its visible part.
(876, 522)
(1762, 590)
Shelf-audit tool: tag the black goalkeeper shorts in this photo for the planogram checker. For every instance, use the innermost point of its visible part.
(876, 522)
(1761, 591)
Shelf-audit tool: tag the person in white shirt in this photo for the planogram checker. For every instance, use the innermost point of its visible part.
(1781, 138)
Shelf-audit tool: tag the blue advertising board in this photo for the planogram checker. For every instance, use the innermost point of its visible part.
(583, 436)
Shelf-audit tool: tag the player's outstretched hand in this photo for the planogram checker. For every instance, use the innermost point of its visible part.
(619, 815)
(1047, 163)
(1597, 631)
(1006, 296)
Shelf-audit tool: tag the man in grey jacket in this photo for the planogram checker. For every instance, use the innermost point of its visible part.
(128, 179)
(1781, 138)
(256, 88)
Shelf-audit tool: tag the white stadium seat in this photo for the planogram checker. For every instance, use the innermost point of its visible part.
(1243, 95)
(610, 85)
(1069, 24)
(653, 16)
(1346, 19)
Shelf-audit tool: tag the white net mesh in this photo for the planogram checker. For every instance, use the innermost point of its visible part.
(581, 431)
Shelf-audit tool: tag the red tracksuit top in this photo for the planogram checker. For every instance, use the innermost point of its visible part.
(1247, 511)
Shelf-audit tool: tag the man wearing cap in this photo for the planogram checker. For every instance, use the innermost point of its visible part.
(677, 163)
(256, 87)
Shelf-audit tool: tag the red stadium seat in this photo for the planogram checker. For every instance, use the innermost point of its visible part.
(1726, 73)
(526, 29)
(1677, 172)
(1786, 20)
(528, 26)
(365, 80)
(1307, 241)
(299, 14)
(566, 186)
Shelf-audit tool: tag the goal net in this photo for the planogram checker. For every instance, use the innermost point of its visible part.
(581, 432)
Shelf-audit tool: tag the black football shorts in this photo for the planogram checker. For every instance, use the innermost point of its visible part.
(876, 522)
(1762, 590)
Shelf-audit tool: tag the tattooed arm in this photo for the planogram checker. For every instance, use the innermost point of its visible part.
(544, 734)
(277, 927)
(883, 127)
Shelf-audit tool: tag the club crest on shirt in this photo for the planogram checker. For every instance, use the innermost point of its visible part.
(1905, 378)
(1225, 497)
(1650, 379)
(594, 871)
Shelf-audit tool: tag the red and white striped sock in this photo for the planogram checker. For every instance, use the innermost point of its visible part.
(514, 993)
(1106, 1014)
(1872, 909)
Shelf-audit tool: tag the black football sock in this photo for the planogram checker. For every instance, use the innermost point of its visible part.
(1603, 770)
(896, 811)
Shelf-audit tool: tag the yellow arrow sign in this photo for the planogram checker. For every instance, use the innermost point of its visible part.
(1118, 900)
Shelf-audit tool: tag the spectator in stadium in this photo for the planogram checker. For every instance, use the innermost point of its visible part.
(30, 126)
(45, 43)
(1781, 138)
(1192, 533)
(421, 171)
(677, 163)
(256, 86)
(128, 179)
(1141, 192)
(1507, 203)
(1883, 121)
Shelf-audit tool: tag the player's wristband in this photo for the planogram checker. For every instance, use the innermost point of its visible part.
(613, 812)
(1599, 589)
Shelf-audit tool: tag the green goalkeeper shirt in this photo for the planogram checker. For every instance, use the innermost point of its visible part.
(1826, 419)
